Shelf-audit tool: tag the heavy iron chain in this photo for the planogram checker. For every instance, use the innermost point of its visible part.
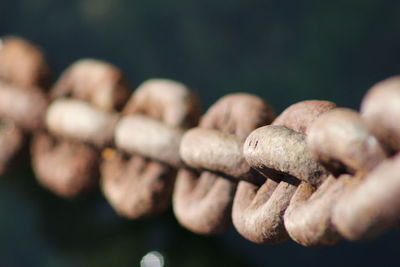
(317, 173)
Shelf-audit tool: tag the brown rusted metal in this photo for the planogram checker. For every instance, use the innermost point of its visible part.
(268, 181)
(149, 137)
(168, 101)
(134, 186)
(258, 211)
(308, 218)
(23, 69)
(77, 130)
(301, 115)
(276, 149)
(97, 82)
(78, 120)
(22, 63)
(68, 168)
(340, 140)
(380, 110)
(173, 108)
(372, 204)
(202, 199)
(215, 151)
(21, 112)
(25, 106)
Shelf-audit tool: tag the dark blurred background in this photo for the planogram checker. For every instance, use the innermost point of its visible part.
(284, 51)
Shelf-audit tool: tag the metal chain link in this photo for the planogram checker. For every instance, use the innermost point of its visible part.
(317, 174)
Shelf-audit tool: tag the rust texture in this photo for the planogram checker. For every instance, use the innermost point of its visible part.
(318, 174)
(135, 185)
(149, 137)
(294, 116)
(342, 143)
(370, 205)
(77, 129)
(258, 212)
(357, 150)
(280, 149)
(202, 199)
(215, 151)
(373, 205)
(308, 219)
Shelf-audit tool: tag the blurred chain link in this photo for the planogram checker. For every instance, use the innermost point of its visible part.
(317, 173)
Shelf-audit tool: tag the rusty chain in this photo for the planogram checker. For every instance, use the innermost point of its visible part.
(317, 173)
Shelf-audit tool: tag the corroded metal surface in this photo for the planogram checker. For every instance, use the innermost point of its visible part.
(317, 174)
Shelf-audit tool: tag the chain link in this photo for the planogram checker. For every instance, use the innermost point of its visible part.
(317, 173)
